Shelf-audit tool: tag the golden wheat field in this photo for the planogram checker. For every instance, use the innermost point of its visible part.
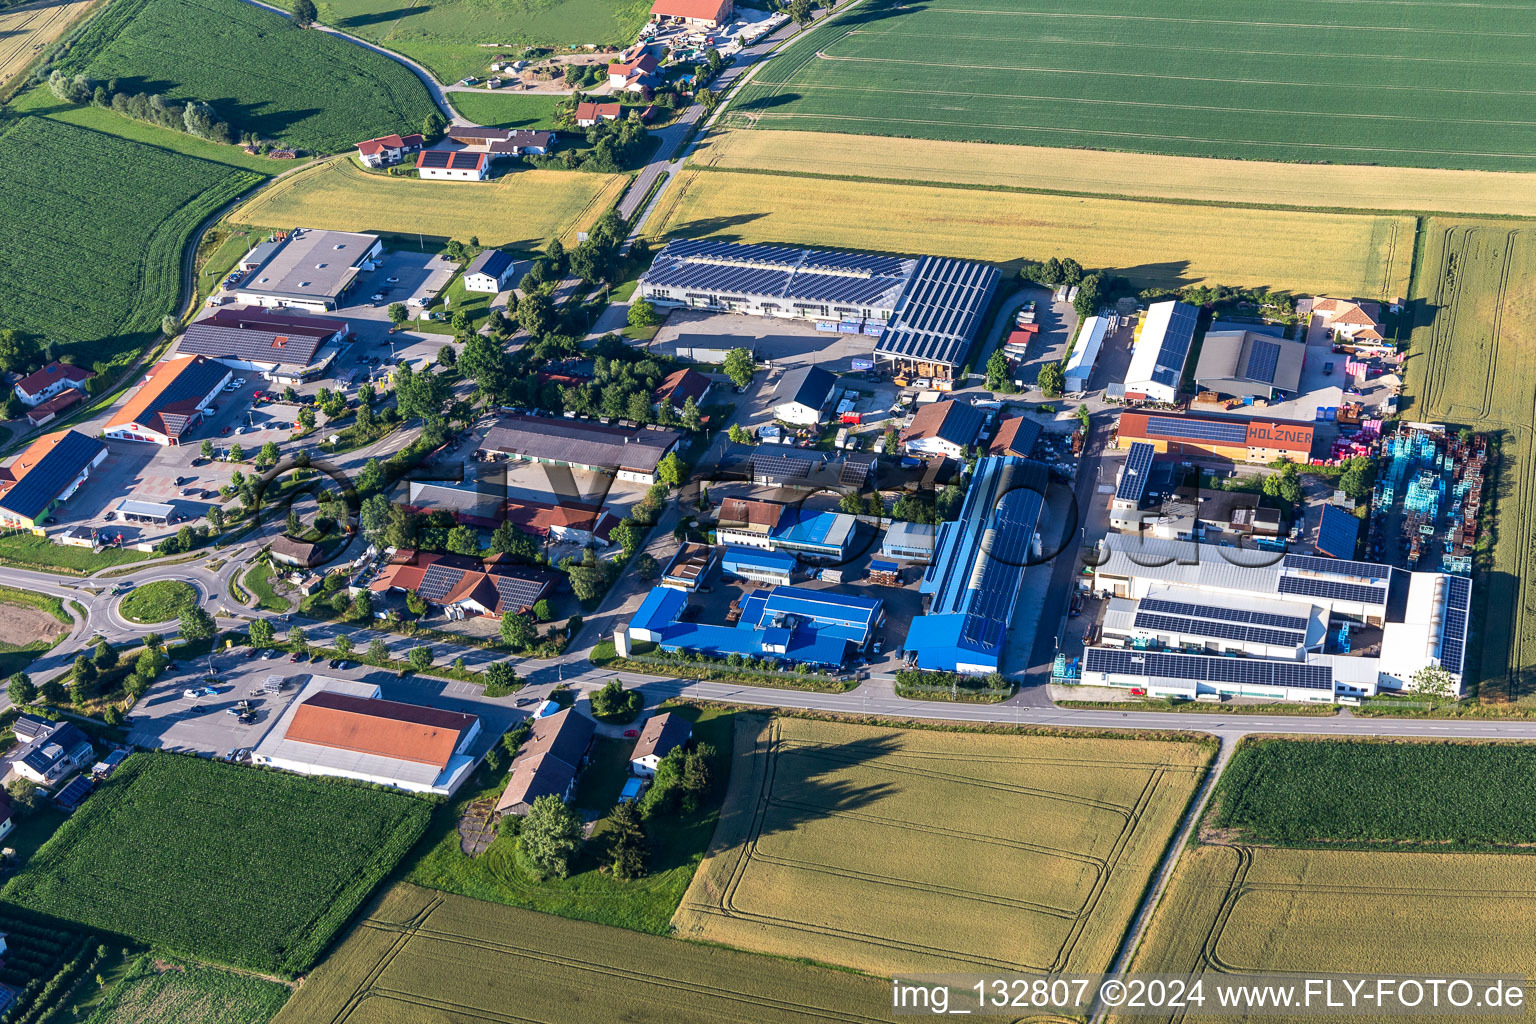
(1310, 186)
(891, 850)
(1238, 909)
(25, 31)
(425, 957)
(1153, 244)
(521, 209)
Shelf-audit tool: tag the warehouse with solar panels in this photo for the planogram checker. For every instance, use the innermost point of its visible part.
(1257, 362)
(977, 569)
(1231, 439)
(924, 310)
(1160, 349)
(1187, 619)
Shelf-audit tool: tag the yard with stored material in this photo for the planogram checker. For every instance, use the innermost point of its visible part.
(1353, 81)
(1153, 244)
(524, 209)
(424, 957)
(1470, 364)
(890, 850)
(256, 869)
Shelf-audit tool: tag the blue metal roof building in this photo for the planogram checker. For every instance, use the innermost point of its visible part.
(764, 566)
(786, 623)
(818, 533)
(1338, 532)
(855, 619)
(659, 610)
(978, 567)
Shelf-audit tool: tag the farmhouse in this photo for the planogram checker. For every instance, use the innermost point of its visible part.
(792, 625)
(1350, 320)
(1160, 348)
(1286, 626)
(1237, 440)
(548, 761)
(925, 310)
(37, 388)
(285, 347)
(1253, 362)
(463, 586)
(502, 141)
(388, 150)
(347, 730)
(588, 114)
(978, 566)
(632, 75)
(306, 269)
(170, 400)
(679, 386)
(632, 453)
(490, 271)
(709, 14)
(943, 428)
(457, 165)
(662, 734)
(44, 475)
(804, 393)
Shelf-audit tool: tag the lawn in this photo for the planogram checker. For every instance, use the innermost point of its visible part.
(108, 220)
(25, 33)
(1347, 82)
(258, 580)
(29, 551)
(890, 850)
(522, 210)
(159, 992)
(422, 957)
(506, 110)
(224, 863)
(1247, 182)
(160, 601)
(1152, 243)
(308, 90)
(590, 893)
(1474, 329)
(444, 35)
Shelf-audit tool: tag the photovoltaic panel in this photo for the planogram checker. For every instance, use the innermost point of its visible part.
(1337, 533)
(1208, 668)
(1338, 567)
(1234, 432)
(1459, 592)
(1308, 586)
(1209, 611)
(438, 580)
(1136, 472)
(1263, 357)
(1219, 630)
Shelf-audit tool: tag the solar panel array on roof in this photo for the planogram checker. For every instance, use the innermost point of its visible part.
(856, 470)
(438, 581)
(1219, 629)
(35, 491)
(1207, 611)
(940, 311)
(1263, 357)
(1136, 472)
(1227, 432)
(1337, 533)
(780, 271)
(1312, 586)
(1207, 668)
(1176, 340)
(1453, 643)
(518, 592)
(1338, 567)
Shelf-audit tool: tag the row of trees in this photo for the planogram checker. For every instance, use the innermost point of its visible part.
(194, 117)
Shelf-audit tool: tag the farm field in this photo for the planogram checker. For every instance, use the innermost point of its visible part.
(107, 220)
(1353, 81)
(444, 35)
(1135, 175)
(310, 90)
(1470, 364)
(422, 957)
(892, 850)
(1153, 244)
(175, 993)
(523, 209)
(211, 860)
(26, 30)
(506, 110)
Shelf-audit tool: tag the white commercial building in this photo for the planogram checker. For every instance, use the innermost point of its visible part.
(1186, 619)
(1160, 350)
(1090, 338)
(310, 270)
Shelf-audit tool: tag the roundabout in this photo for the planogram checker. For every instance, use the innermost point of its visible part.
(158, 602)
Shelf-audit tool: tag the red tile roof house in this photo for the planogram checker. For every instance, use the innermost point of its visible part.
(630, 76)
(680, 386)
(440, 164)
(588, 114)
(695, 13)
(38, 387)
(388, 150)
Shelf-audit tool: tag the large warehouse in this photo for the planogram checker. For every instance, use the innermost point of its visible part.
(288, 349)
(170, 400)
(308, 269)
(1237, 440)
(925, 310)
(1160, 349)
(1186, 619)
(1262, 363)
(977, 569)
(45, 474)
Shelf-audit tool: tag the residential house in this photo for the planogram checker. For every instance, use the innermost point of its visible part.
(1350, 320)
(37, 388)
(678, 387)
(588, 114)
(170, 400)
(464, 586)
(632, 75)
(943, 428)
(490, 271)
(548, 761)
(662, 734)
(52, 753)
(458, 165)
(7, 822)
(388, 150)
(46, 474)
(705, 14)
(804, 394)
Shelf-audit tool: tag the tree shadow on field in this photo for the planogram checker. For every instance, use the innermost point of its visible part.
(766, 102)
(1169, 274)
(376, 17)
(811, 781)
(882, 10)
(715, 228)
(1416, 313)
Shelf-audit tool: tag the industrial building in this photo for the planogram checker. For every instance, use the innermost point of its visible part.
(1338, 533)
(689, 566)
(1186, 619)
(307, 269)
(910, 542)
(344, 729)
(1159, 350)
(925, 310)
(1232, 439)
(977, 569)
(801, 469)
(770, 526)
(170, 400)
(1252, 362)
(630, 453)
(1090, 339)
(286, 348)
(776, 567)
(44, 475)
(803, 394)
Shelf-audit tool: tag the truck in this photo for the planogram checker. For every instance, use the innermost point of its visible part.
(841, 440)
(830, 575)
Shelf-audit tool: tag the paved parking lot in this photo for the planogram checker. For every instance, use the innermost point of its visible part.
(778, 342)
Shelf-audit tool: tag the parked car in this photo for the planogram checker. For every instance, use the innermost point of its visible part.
(631, 733)
(251, 652)
(378, 296)
(393, 280)
(1138, 691)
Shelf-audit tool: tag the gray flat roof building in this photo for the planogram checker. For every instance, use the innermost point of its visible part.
(309, 269)
(631, 452)
(1250, 362)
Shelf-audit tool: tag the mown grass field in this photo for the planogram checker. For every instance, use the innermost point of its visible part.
(524, 209)
(219, 862)
(159, 601)
(1353, 81)
(422, 957)
(177, 993)
(1192, 179)
(1153, 244)
(310, 90)
(106, 221)
(444, 35)
(27, 30)
(506, 110)
(892, 850)
(1470, 363)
